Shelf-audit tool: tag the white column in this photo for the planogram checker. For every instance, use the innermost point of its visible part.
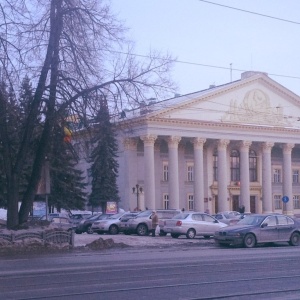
(198, 174)
(223, 203)
(287, 178)
(149, 182)
(267, 198)
(244, 178)
(130, 176)
(173, 142)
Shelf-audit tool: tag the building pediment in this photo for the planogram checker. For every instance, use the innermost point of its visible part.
(256, 100)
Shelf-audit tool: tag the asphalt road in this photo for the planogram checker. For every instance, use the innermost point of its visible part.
(186, 271)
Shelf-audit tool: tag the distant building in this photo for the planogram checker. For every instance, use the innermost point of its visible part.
(215, 150)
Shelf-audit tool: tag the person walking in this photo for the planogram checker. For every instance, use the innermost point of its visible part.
(154, 218)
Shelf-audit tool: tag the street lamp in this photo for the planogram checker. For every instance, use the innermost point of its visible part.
(137, 190)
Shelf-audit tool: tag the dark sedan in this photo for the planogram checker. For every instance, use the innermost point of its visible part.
(258, 229)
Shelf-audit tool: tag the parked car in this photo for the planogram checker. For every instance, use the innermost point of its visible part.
(192, 224)
(86, 224)
(77, 218)
(228, 217)
(260, 228)
(111, 225)
(142, 223)
(62, 223)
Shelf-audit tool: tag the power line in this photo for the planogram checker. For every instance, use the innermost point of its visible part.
(204, 65)
(251, 12)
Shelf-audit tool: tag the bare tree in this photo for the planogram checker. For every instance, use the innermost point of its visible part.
(72, 49)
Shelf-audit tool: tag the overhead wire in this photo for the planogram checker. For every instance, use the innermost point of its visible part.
(251, 12)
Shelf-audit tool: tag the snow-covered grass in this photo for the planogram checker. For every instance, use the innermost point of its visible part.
(3, 214)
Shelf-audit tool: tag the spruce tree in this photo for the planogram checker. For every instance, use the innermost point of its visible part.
(104, 160)
(67, 182)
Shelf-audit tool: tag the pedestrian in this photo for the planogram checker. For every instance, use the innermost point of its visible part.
(154, 218)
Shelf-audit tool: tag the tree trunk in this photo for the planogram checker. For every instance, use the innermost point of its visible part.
(12, 203)
(56, 20)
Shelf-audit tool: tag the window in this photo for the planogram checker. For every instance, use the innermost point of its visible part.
(295, 176)
(190, 202)
(215, 165)
(207, 218)
(165, 171)
(277, 202)
(276, 175)
(296, 200)
(235, 165)
(252, 166)
(190, 172)
(165, 201)
(271, 221)
(282, 220)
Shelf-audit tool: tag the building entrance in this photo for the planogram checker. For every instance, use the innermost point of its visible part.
(235, 202)
(252, 204)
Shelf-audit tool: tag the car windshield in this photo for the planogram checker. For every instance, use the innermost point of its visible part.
(251, 220)
(116, 216)
(145, 213)
(93, 217)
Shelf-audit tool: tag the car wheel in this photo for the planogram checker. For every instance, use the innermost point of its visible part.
(113, 229)
(249, 240)
(162, 233)
(89, 230)
(175, 235)
(295, 239)
(191, 233)
(142, 230)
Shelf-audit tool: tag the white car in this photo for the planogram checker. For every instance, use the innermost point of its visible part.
(111, 225)
(192, 224)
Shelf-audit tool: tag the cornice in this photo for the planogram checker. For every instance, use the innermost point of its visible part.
(223, 125)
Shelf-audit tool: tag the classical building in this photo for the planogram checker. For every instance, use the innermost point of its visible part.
(215, 150)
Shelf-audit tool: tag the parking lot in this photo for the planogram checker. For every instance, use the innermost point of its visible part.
(141, 241)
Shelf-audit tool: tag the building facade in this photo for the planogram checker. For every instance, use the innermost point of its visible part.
(215, 150)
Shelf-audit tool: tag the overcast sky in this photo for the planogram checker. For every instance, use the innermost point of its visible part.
(207, 38)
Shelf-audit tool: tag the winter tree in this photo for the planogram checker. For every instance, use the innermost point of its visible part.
(71, 48)
(104, 160)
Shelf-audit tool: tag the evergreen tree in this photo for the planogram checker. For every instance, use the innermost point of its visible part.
(67, 182)
(104, 164)
(15, 115)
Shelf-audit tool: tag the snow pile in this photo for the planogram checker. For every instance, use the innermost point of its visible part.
(3, 214)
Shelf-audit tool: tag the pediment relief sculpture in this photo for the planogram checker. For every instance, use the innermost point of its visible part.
(255, 108)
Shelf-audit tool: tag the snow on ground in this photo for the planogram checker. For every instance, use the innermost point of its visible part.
(3, 214)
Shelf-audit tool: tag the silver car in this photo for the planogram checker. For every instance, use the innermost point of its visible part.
(192, 224)
(142, 223)
(228, 217)
(260, 228)
(111, 225)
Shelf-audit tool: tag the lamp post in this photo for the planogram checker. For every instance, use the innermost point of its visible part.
(137, 190)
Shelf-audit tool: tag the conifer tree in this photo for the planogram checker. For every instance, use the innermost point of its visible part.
(67, 182)
(104, 160)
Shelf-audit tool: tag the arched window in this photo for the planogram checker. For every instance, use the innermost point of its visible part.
(215, 164)
(252, 166)
(235, 165)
